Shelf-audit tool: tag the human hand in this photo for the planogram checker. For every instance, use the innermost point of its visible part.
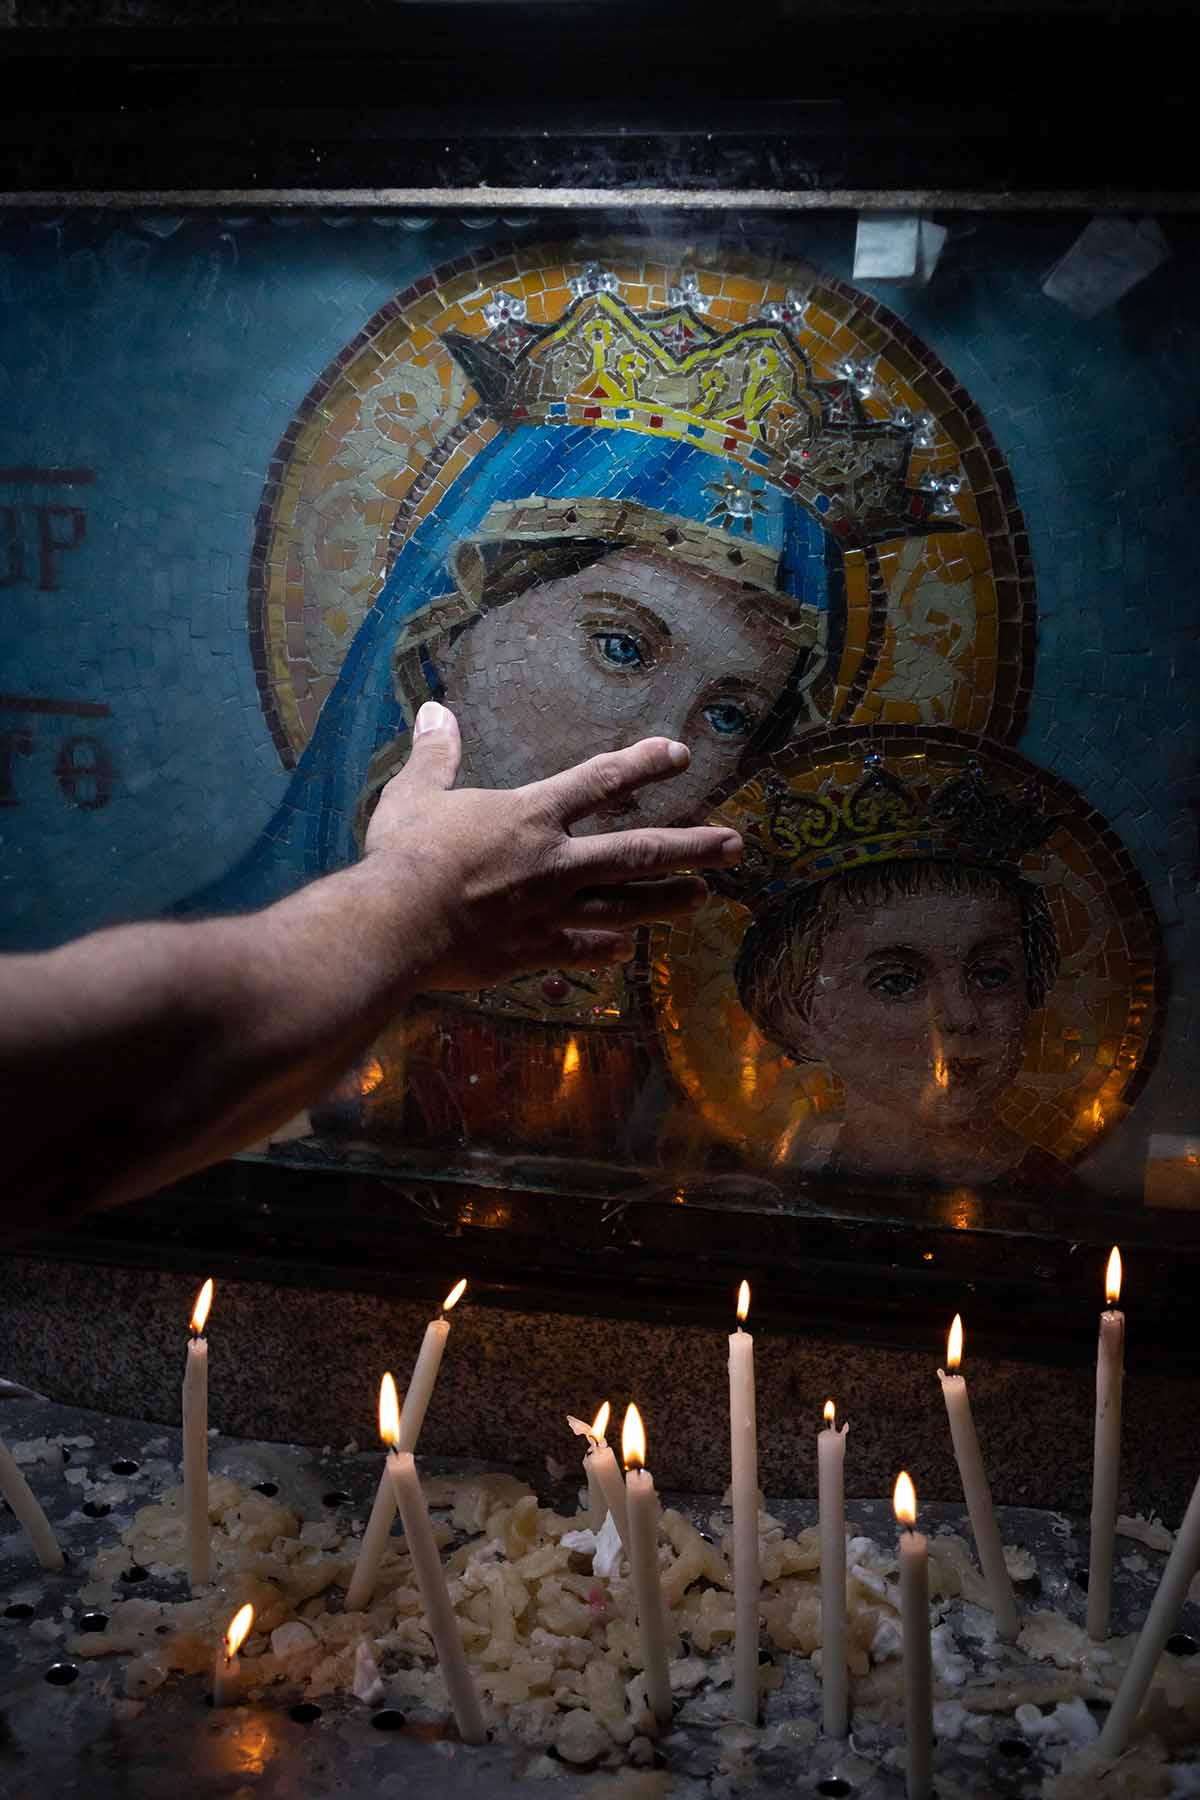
(503, 886)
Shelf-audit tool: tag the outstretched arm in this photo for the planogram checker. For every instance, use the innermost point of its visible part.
(135, 1055)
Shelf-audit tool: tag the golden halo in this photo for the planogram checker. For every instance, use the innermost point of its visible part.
(1088, 1051)
(934, 624)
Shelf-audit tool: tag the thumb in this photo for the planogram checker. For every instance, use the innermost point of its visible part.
(437, 747)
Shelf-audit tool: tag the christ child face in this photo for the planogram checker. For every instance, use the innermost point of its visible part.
(633, 646)
(919, 1004)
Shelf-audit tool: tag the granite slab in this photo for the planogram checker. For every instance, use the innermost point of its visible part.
(303, 1365)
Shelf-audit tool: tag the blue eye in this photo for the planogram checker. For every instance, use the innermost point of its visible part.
(621, 649)
(728, 719)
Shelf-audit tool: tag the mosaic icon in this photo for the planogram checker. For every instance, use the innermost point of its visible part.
(935, 961)
(587, 501)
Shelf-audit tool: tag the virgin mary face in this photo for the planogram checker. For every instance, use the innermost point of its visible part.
(633, 646)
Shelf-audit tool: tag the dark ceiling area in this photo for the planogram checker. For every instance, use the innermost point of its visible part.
(997, 100)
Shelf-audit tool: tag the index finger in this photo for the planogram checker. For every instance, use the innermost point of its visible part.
(605, 780)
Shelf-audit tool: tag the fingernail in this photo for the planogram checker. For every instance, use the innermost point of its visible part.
(731, 849)
(679, 755)
(429, 718)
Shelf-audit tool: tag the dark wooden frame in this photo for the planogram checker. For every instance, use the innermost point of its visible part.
(1080, 101)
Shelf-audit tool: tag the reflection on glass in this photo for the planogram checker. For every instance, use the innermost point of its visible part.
(961, 1210)
(1173, 1171)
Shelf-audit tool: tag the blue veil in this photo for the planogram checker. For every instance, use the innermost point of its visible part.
(311, 831)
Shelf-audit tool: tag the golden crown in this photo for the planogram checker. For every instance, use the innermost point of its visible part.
(746, 394)
(808, 837)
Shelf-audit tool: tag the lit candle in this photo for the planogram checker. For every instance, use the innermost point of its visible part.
(416, 1403)
(379, 1530)
(606, 1490)
(29, 1515)
(431, 1578)
(743, 1452)
(195, 1445)
(227, 1671)
(420, 1388)
(642, 1546)
(975, 1489)
(1168, 1603)
(601, 1463)
(831, 1491)
(597, 1506)
(918, 1659)
(1106, 1463)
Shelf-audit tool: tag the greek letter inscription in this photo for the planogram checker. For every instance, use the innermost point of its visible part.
(83, 766)
(35, 536)
(85, 773)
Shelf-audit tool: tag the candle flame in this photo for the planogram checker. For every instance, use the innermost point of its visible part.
(1112, 1277)
(633, 1439)
(830, 1412)
(571, 1059)
(954, 1343)
(455, 1295)
(941, 1072)
(239, 1630)
(370, 1076)
(904, 1500)
(389, 1412)
(600, 1422)
(743, 1302)
(200, 1310)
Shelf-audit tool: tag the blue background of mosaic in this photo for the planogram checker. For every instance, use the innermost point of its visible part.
(169, 361)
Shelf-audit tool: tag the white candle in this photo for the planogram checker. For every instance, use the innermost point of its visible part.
(596, 1510)
(601, 1465)
(28, 1513)
(606, 1490)
(431, 1577)
(227, 1670)
(1106, 1461)
(918, 1660)
(642, 1546)
(195, 1445)
(597, 1506)
(416, 1404)
(831, 1491)
(1168, 1602)
(976, 1491)
(424, 1376)
(379, 1525)
(743, 1453)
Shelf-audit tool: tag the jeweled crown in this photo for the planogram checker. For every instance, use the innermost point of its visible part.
(809, 837)
(746, 394)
